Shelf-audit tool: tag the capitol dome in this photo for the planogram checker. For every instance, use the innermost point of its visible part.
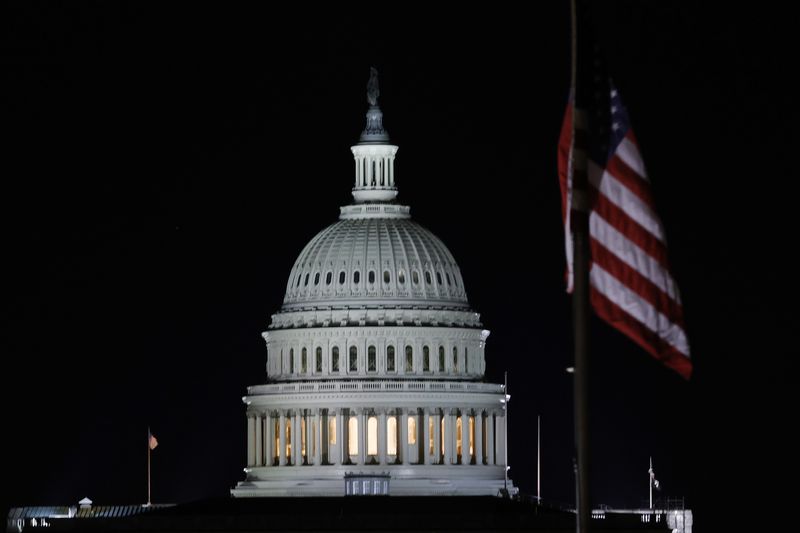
(375, 360)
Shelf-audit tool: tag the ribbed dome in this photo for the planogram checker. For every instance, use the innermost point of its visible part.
(375, 262)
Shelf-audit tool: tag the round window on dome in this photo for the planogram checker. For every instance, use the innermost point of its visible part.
(328, 278)
(316, 278)
(342, 277)
(401, 277)
(356, 277)
(387, 277)
(415, 277)
(371, 276)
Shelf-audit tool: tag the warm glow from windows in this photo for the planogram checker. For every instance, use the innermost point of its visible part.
(289, 438)
(352, 435)
(372, 436)
(430, 435)
(458, 436)
(412, 430)
(302, 439)
(332, 430)
(472, 435)
(391, 435)
(276, 433)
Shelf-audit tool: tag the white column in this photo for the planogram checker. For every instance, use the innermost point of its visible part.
(309, 438)
(341, 434)
(391, 171)
(362, 438)
(282, 439)
(426, 437)
(479, 438)
(382, 437)
(317, 426)
(404, 436)
(437, 439)
(465, 456)
(490, 438)
(259, 443)
(501, 438)
(297, 439)
(446, 436)
(269, 439)
(251, 440)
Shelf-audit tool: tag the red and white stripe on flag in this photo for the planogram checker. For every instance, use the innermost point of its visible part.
(631, 285)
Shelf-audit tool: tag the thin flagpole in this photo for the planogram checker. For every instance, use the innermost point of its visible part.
(650, 481)
(148, 466)
(580, 297)
(538, 458)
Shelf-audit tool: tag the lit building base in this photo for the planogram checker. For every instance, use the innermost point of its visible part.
(408, 480)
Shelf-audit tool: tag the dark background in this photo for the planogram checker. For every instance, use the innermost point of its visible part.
(163, 166)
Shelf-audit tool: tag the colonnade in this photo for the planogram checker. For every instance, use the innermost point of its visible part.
(345, 436)
(375, 171)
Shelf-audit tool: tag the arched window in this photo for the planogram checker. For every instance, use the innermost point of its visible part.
(401, 277)
(352, 435)
(412, 429)
(291, 361)
(335, 359)
(447, 275)
(353, 359)
(332, 430)
(305, 283)
(371, 359)
(441, 358)
(391, 435)
(390, 364)
(318, 365)
(316, 278)
(341, 277)
(427, 277)
(299, 277)
(386, 276)
(466, 360)
(304, 360)
(409, 359)
(415, 277)
(328, 278)
(426, 359)
(371, 277)
(372, 436)
(356, 277)
(455, 359)
(439, 278)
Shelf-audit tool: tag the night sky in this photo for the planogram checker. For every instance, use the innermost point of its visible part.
(163, 166)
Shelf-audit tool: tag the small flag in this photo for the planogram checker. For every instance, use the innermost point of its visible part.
(653, 481)
(151, 440)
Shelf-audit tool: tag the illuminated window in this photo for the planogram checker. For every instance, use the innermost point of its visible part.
(371, 359)
(415, 277)
(442, 439)
(328, 278)
(401, 277)
(427, 277)
(458, 436)
(335, 359)
(430, 435)
(390, 367)
(316, 278)
(471, 435)
(409, 359)
(391, 435)
(342, 276)
(332, 430)
(276, 432)
(441, 358)
(426, 359)
(352, 435)
(291, 361)
(386, 276)
(318, 362)
(289, 439)
(455, 359)
(353, 359)
(412, 430)
(302, 440)
(305, 283)
(304, 361)
(356, 277)
(372, 436)
(371, 277)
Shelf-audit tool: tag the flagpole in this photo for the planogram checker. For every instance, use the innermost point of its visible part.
(650, 476)
(580, 297)
(538, 458)
(148, 467)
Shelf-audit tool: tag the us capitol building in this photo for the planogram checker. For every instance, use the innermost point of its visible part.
(375, 360)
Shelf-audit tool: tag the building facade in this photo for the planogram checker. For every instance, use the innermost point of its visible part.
(375, 360)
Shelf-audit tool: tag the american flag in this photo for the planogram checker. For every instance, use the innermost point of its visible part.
(151, 440)
(631, 285)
